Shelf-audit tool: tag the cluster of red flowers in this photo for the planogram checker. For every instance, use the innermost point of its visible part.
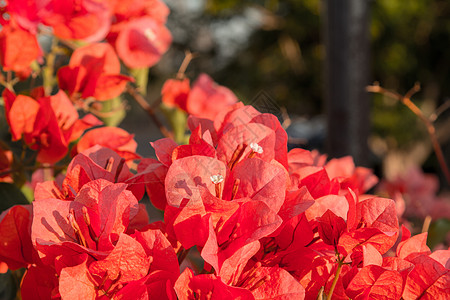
(205, 100)
(265, 223)
(268, 223)
(136, 30)
(135, 34)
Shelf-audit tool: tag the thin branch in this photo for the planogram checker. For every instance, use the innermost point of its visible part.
(444, 106)
(406, 100)
(156, 103)
(145, 106)
(10, 82)
(187, 59)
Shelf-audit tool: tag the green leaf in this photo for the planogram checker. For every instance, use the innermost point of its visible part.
(438, 232)
(10, 195)
(8, 288)
(27, 191)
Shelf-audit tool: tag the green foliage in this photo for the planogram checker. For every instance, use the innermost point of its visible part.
(393, 121)
(409, 43)
(285, 60)
(218, 6)
(438, 232)
(10, 195)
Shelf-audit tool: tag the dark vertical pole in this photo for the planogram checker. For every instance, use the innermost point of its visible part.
(347, 73)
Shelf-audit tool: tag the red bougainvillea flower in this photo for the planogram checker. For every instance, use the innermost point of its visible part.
(417, 192)
(175, 93)
(26, 13)
(87, 20)
(163, 272)
(101, 226)
(138, 33)
(88, 244)
(227, 212)
(154, 174)
(270, 283)
(334, 177)
(370, 221)
(244, 134)
(93, 71)
(46, 124)
(239, 131)
(114, 138)
(207, 99)
(207, 286)
(268, 224)
(429, 279)
(375, 282)
(331, 227)
(254, 139)
(94, 163)
(253, 282)
(18, 49)
(211, 190)
(265, 282)
(141, 42)
(156, 9)
(16, 249)
(358, 179)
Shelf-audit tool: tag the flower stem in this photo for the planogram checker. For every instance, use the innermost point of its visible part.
(187, 59)
(336, 277)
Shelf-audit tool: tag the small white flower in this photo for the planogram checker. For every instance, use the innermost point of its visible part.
(256, 148)
(216, 178)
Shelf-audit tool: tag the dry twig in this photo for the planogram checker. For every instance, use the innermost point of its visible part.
(145, 106)
(406, 100)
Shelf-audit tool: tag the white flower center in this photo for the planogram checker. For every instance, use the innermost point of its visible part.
(256, 148)
(216, 178)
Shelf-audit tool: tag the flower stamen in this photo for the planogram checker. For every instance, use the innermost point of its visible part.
(217, 180)
(87, 220)
(76, 228)
(237, 154)
(109, 164)
(235, 188)
(255, 149)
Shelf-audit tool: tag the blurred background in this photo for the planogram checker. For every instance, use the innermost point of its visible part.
(313, 59)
